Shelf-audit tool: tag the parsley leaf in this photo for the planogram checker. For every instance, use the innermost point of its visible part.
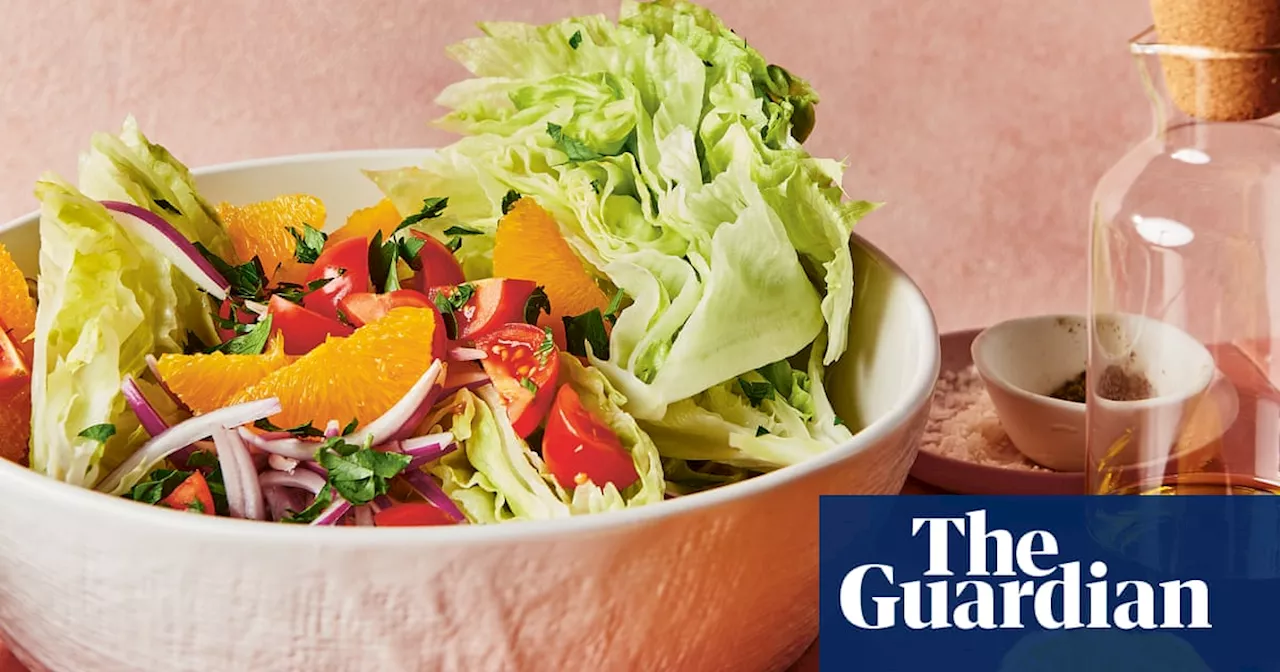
(839, 421)
(408, 249)
(536, 304)
(317, 506)
(452, 299)
(351, 427)
(509, 201)
(453, 244)
(303, 431)
(252, 342)
(615, 305)
(462, 231)
(359, 474)
(217, 488)
(575, 40)
(756, 392)
(202, 458)
(546, 347)
(575, 149)
(195, 506)
(587, 328)
(157, 485)
(779, 376)
(248, 280)
(100, 433)
(382, 263)
(310, 242)
(596, 186)
(761, 431)
(528, 384)
(431, 208)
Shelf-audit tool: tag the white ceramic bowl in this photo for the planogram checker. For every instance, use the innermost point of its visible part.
(724, 580)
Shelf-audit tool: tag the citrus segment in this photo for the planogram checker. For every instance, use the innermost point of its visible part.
(529, 246)
(358, 377)
(262, 229)
(17, 309)
(207, 382)
(366, 223)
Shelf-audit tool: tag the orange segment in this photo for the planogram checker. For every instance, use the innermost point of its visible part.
(207, 382)
(17, 310)
(18, 316)
(529, 246)
(367, 222)
(262, 229)
(361, 376)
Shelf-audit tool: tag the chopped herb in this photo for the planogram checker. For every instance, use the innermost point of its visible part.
(100, 433)
(575, 40)
(596, 186)
(586, 330)
(756, 392)
(309, 243)
(195, 506)
(779, 376)
(528, 384)
(431, 209)
(248, 280)
(157, 485)
(194, 344)
(450, 300)
(251, 342)
(342, 317)
(839, 421)
(454, 244)
(546, 347)
(289, 291)
(536, 304)
(408, 249)
(359, 474)
(351, 426)
(761, 431)
(217, 488)
(317, 506)
(168, 207)
(575, 149)
(615, 305)
(462, 231)
(301, 431)
(709, 64)
(509, 201)
(202, 458)
(382, 263)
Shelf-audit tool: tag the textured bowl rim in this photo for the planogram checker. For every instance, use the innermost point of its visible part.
(919, 391)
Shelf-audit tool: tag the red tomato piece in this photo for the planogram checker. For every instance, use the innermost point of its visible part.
(416, 514)
(13, 366)
(439, 267)
(493, 303)
(524, 365)
(345, 265)
(302, 329)
(578, 447)
(243, 316)
(192, 495)
(366, 307)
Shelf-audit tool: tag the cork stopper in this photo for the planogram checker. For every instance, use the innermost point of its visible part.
(1239, 78)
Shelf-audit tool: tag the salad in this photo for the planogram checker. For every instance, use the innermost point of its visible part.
(623, 283)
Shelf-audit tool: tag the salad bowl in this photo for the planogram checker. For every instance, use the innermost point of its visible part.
(720, 580)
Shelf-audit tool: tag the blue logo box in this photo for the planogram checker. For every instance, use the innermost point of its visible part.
(1012, 584)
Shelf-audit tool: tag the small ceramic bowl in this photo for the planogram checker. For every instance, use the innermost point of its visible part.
(1022, 361)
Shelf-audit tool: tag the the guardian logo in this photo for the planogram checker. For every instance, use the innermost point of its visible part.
(1036, 589)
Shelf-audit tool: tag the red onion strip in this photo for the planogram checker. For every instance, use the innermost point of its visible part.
(432, 491)
(250, 489)
(173, 245)
(405, 415)
(438, 445)
(364, 516)
(154, 367)
(334, 513)
(301, 479)
(184, 434)
(297, 449)
(461, 354)
(464, 375)
(147, 416)
(282, 463)
(332, 429)
(282, 501)
(230, 463)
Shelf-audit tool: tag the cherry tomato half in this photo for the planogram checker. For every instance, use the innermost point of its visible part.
(13, 365)
(578, 447)
(243, 316)
(439, 267)
(302, 329)
(416, 514)
(192, 495)
(493, 303)
(365, 307)
(524, 365)
(345, 265)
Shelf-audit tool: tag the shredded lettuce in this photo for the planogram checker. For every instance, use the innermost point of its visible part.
(470, 489)
(515, 471)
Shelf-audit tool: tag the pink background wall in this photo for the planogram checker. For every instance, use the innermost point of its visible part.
(984, 124)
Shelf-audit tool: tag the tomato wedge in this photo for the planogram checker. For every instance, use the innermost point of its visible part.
(243, 316)
(578, 447)
(365, 307)
(416, 514)
(439, 267)
(13, 366)
(302, 329)
(524, 365)
(191, 495)
(345, 265)
(490, 304)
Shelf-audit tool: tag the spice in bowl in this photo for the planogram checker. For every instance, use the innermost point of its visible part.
(1116, 385)
(1072, 390)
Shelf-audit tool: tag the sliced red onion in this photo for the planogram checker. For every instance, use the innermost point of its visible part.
(147, 415)
(291, 447)
(282, 463)
(238, 474)
(180, 457)
(364, 516)
(313, 467)
(461, 354)
(173, 245)
(381, 503)
(259, 308)
(301, 479)
(464, 375)
(283, 501)
(154, 367)
(438, 445)
(184, 434)
(407, 413)
(334, 513)
(432, 491)
(332, 429)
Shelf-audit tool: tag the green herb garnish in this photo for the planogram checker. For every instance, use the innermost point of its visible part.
(431, 209)
(252, 342)
(779, 376)
(575, 40)
(536, 304)
(615, 305)
(351, 427)
(462, 231)
(248, 280)
(509, 200)
(317, 506)
(528, 384)
(309, 243)
(586, 330)
(546, 347)
(157, 485)
(575, 149)
(761, 431)
(756, 392)
(303, 431)
(382, 263)
(359, 474)
(99, 433)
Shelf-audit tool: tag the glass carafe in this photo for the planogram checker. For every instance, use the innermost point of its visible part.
(1184, 346)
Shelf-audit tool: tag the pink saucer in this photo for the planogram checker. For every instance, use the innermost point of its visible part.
(968, 478)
